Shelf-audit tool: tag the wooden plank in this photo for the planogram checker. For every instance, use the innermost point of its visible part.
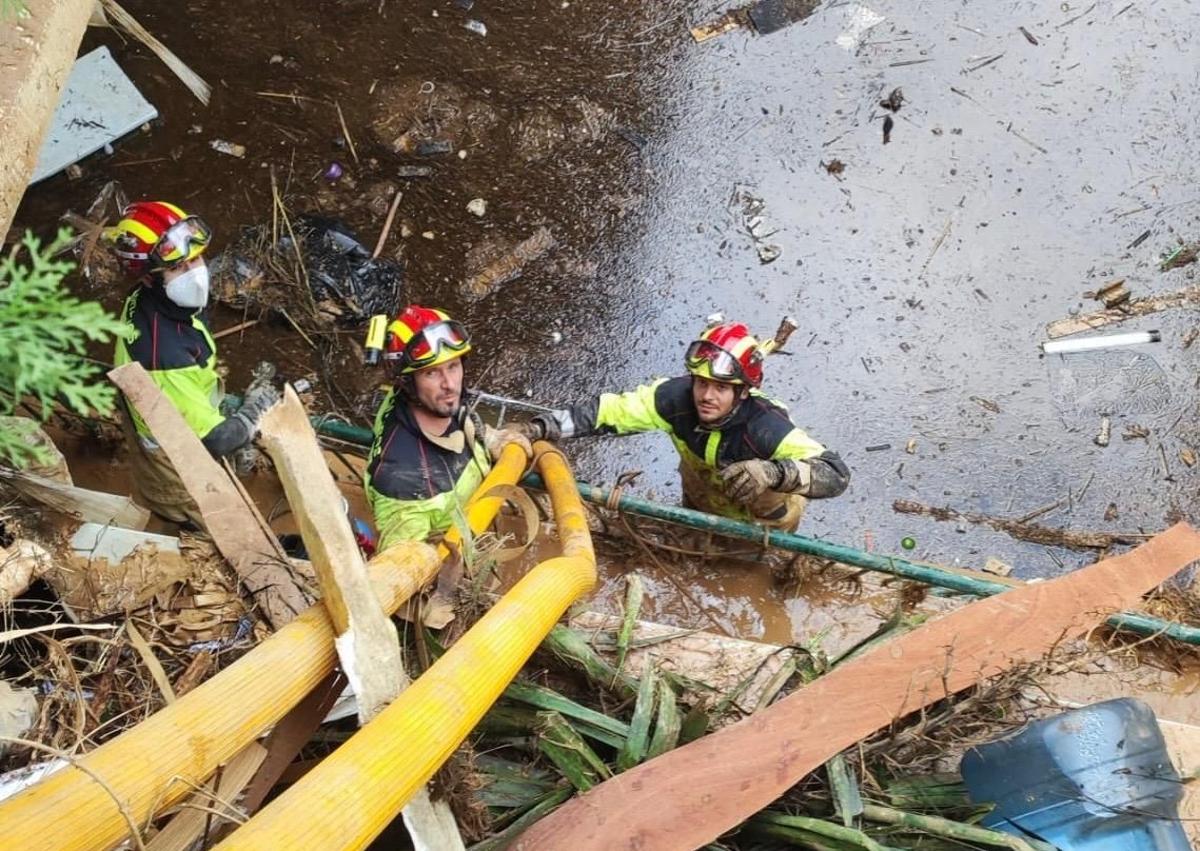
(289, 736)
(1128, 310)
(367, 643)
(36, 52)
(189, 823)
(90, 506)
(690, 796)
(256, 557)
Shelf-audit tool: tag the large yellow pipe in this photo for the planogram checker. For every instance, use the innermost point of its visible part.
(70, 811)
(360, 788)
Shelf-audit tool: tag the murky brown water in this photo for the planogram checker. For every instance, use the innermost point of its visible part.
(923, 276)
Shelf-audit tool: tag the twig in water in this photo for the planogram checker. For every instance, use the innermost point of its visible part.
(280, 210)
(346, 132)
(194, 82)
(387, 225)
(241, 326)
(1076, 18)
(1024, 139)
(299, 330)
(1045, 509)
(937, 244)
(984, 63)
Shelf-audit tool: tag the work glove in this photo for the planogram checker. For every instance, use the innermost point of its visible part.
(261, 375)
(746, 481)
(545, 427)
(246, 459)
(495, 439)
(795, 476)
(255, 403)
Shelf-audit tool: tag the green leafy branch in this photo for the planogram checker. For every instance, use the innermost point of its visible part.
(44, 334)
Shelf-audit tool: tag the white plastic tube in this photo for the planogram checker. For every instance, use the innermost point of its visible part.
(1087, 344)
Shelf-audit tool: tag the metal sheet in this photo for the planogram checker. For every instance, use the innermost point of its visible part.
(99, 105)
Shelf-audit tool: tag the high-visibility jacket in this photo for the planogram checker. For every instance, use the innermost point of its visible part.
(416, 485)
(760, 428)
(176, 347)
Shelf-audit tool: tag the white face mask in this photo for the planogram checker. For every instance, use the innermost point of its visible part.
(189, 289)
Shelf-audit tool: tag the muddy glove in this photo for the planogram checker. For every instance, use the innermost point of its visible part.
(255, 404)
(746, 481)
(262, 375)
(552, 426)
(795, 476)
(495, 439)
(247, 458)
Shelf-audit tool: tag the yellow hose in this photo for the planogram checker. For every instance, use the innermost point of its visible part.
(189, 739)
(361, 787)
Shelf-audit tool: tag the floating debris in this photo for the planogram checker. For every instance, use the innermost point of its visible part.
(233, 149)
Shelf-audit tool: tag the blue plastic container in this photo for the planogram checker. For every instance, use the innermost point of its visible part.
(1093, 779)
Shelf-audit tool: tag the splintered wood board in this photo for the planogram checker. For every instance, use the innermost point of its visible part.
(256, 557)
(688, 797)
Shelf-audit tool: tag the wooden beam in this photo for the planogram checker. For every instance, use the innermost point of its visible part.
(367, 643)
(88, 505)
(36, 53)
(289, 736)
(690, 796)
(256, 557)
(188, 825)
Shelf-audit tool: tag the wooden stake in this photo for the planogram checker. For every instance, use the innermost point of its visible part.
(387, 225)
(367, 643)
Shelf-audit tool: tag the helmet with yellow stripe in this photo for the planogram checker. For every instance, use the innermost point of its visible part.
(727, 353)
(422, 337)
(156, 235)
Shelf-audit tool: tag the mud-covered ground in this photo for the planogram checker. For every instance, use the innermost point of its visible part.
(922, 275)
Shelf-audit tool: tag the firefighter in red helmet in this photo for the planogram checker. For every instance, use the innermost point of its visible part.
(740, 455)
(429, 454)
(161, 248)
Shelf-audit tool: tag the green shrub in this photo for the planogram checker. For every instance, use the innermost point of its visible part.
(44, 333)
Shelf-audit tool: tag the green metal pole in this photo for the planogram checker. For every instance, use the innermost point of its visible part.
(1129, 621)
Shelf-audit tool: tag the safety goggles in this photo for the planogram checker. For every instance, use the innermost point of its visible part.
(722, 366)
(183, 240)
(425, 347)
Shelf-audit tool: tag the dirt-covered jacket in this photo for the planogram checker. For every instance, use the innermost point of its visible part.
(760, 428)
(416, 485)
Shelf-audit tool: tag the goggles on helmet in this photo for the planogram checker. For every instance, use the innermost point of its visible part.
(427, 344)
(722, 366)
(182, 241)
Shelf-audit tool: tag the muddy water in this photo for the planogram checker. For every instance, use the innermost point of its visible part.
(923, 275)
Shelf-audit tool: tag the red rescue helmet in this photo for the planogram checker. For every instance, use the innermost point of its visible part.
(421, 337)
(155, 235)
(727, 353)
